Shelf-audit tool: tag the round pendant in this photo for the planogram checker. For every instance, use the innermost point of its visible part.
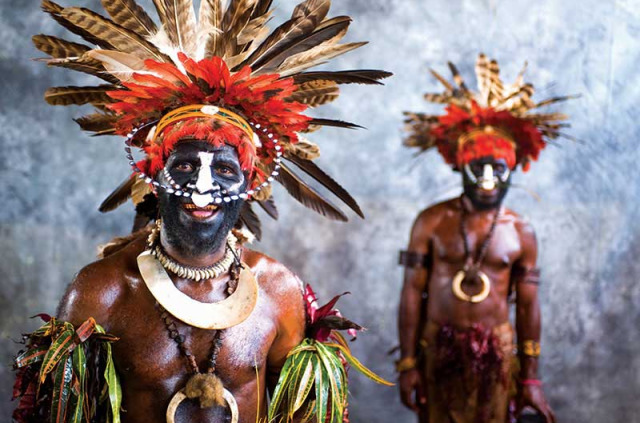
(456, 286)
(180, 396)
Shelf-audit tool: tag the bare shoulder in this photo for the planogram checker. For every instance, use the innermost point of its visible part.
(430, 217)
(274, 277)
(99, 286)
(522, 224)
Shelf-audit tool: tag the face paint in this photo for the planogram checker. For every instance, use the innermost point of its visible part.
(199, 224)
(204, 186)
(486, 181)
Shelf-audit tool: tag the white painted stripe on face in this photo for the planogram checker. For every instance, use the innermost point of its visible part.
(205, 182)
(488, 181)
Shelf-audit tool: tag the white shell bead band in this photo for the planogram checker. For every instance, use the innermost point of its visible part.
(176, 190)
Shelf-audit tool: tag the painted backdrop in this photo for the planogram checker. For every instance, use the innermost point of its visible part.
(53, 178)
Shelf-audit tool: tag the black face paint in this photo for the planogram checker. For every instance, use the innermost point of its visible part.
(184, 230)
(486, 189)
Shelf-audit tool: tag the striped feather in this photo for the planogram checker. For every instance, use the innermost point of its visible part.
(64, 96)
(179, 23)
(130, 15)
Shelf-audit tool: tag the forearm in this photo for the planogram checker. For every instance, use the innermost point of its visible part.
(409, 319)
(528, 327)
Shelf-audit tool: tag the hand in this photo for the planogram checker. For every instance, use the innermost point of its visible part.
(412, 392)
(533, 396)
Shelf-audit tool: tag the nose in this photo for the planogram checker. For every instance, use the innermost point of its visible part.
(488, 182)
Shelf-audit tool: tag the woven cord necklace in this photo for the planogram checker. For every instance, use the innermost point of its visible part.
(206, 386)
(471, 271)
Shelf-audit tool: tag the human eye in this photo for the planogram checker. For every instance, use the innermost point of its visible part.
(225, 170)
(183, 167)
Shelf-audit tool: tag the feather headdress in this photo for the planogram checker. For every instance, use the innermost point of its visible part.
(221, 76)
(499, 120)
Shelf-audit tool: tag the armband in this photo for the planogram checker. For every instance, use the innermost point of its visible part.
(318, 364)
(67, 375)
(405, 364)
(531, 348)
(531, 276)
(412, 259)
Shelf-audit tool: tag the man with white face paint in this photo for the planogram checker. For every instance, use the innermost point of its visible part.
(200, 327)
(468, 256)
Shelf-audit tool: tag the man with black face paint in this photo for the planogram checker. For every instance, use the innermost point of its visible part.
(181, 322)
(468, 256)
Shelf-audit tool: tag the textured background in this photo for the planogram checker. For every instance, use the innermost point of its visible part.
(54, 177)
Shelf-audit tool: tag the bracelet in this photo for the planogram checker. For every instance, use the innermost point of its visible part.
(531, 348)
(531, 382)
(407, 363)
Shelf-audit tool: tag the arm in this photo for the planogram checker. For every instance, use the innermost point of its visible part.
(291, 325)
(410, 311)
(528, 324)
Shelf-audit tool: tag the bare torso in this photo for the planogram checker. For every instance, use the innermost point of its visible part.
(446, 246)
(149, 364)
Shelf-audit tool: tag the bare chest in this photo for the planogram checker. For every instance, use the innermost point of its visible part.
(147, 359)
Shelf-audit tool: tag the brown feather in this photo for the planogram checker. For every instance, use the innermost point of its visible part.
(269, 206)
(119, 37)
(334, 123)
(304, 19)
(86, 65)
(256, 31)
(314, 57)
(210, 27)
(120, 65)
(306, 42)
(119, 196)
(64, 96)
(97, 122)
(179, 22)
(457, 78)
(251, 220)
(57, 47)
(327, 181)
(130, 15)
(315, 93)
(344, 77)
(235, 20)
(262, 7)
(307, 196)
(55, 10)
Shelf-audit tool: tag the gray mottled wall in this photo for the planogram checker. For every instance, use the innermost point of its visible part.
(53, 178)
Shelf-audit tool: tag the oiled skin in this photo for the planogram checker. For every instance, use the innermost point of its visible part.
(512, 251)
(149, 363)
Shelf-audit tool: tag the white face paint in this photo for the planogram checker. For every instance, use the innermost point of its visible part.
(202, 196)
(488, 180)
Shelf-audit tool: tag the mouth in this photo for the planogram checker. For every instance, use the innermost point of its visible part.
(201, 213)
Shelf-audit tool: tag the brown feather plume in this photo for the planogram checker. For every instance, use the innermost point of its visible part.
(119, 37)
(119, 196)
(96, 122)
(269, 206)
(307, 196)
(64, 96)
(372, 77)
(327, 181)
(315, 93)
(334, 123)
(130, 15)
(271, 62)
(86, 65)
(250, 219)
(315, 57)
(234, 21)
(304, 19)
(57, 47)
(179, 23)
(55, 11)
(210, 27)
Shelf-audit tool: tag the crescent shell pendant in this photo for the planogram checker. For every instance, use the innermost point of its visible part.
(180, 396)
(224, 314)
(456, 286)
